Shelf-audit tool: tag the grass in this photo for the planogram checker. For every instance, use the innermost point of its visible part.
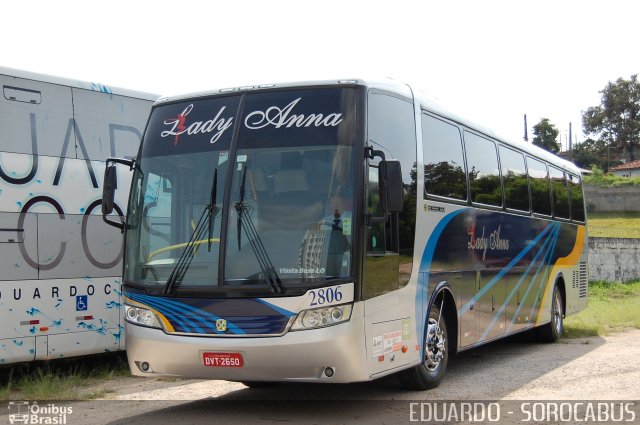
(64, 379)
(613, 307)
(614, 224)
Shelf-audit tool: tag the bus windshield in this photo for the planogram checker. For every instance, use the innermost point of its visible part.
(264, 202)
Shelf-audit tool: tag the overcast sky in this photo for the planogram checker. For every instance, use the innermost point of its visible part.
(490, 60)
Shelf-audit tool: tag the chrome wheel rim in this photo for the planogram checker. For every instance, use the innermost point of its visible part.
(435, 345)
(557, 314)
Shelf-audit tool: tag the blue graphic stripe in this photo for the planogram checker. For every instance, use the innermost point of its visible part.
(504, 270)
(201, 316)
(545, 248)
(539, 289)
(546, 263)
(152, 302)
(280, 310)
(425, 268)
(179, 313)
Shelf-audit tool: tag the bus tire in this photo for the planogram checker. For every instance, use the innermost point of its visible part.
(553, 330)
(430, 372)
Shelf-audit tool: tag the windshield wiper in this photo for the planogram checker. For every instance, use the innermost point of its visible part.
(242, 209)
(205, 222)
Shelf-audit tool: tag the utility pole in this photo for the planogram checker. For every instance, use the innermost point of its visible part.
(526, 137)
(570, 150)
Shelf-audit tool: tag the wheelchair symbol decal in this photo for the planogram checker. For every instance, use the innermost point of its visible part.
(82, 302)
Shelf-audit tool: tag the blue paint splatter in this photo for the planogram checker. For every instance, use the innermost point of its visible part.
(112, 304)
(56, 323)
(32, 351)
(82, 210)
(57, 306)
(87, 326)
(38, 181)
(88, 278)
(33, 311)
(19, 204)
(30, 193)
(18, 343)
(32, 330)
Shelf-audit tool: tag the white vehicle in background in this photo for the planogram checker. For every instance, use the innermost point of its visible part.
(59, 262)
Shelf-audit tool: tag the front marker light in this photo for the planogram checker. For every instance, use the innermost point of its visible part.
(141, 316)
(322, 317)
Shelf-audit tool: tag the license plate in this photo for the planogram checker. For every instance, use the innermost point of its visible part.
(222, 359)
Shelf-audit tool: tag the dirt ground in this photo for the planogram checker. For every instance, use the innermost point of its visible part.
(596, 368)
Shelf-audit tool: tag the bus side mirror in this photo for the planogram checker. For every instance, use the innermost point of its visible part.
(391, 185)
(109, 190)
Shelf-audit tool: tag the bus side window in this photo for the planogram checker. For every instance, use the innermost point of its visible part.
(484, 173)
(540, 194)
(577, 198)
(514, 180)
(560, 190)
(389, 257)
(444, 170)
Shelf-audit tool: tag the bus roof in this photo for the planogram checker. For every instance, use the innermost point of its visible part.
(78, 84)
(426, 102)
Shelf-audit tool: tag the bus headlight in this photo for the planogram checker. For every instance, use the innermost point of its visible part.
(141, 316)
(322, 317)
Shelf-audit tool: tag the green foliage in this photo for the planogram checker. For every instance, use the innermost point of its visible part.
(445, 179)
(613, 307)
(546, 135)
(590, 153)
(616, 121)
(599, 178)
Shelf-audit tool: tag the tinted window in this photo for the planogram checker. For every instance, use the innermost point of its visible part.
(514, 178)
(444, 170)
(577, 202)
(560, 193)
(484, 175)
(392, 129)
(539, 178)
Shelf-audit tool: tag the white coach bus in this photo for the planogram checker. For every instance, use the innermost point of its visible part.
(339, 231)
(60, 264)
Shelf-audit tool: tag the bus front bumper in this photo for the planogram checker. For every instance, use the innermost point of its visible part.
(306, 356)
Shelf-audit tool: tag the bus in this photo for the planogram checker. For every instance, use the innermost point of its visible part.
(60, 264)
(338, 231)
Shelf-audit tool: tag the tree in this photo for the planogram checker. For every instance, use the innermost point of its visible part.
(589, 153)
(545, 135)
(616, 121)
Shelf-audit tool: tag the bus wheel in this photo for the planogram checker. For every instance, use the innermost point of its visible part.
(553, 330)
(430, 372)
